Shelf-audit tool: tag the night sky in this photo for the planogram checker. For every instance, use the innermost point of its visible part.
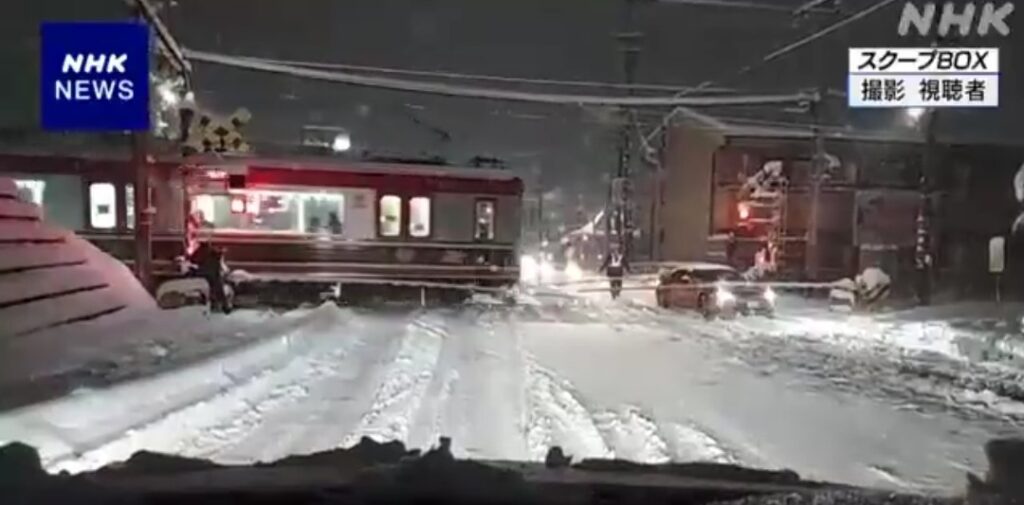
(684, 45)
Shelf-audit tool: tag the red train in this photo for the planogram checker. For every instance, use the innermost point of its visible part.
(365, 228)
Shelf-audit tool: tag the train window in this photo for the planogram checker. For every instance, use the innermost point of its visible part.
(30, 190)
(205, 207)
(390, 215)
(419, 216)
(59, 196)
(102, 205)
(322, 213)
(484, 229)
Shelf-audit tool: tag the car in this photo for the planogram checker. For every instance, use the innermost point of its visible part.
(712, 289)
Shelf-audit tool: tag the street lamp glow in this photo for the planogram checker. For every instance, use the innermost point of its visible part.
(167, 94)
(342, 142)
(915, 113)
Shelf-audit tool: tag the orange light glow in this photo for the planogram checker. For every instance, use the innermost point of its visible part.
(744, 211)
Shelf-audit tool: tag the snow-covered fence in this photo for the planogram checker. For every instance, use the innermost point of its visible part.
(49, 277)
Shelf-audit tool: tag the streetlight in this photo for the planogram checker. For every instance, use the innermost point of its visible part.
(915, 113)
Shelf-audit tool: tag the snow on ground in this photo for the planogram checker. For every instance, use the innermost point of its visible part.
(599, 378)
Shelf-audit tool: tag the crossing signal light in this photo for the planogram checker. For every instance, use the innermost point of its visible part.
(744, 211)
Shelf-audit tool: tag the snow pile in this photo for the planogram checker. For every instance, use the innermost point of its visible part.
(120, 280)
(49, 277)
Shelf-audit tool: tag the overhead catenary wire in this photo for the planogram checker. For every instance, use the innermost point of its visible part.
(775, 54)
(454, 90)
(484, 77)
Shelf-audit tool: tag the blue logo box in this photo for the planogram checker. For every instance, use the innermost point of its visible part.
(95, 76)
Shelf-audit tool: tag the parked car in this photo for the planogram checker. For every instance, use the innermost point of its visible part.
(713, 290)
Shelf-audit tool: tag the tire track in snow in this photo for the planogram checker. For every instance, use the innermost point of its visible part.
(433, 418)
(171, 427)
(632, 436)
(485, 414)
(398, 397)
(557, 417)
(323, 417)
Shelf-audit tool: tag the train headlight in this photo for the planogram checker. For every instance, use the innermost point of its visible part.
(769, 295)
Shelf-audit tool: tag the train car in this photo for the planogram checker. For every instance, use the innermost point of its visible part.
(296, 227)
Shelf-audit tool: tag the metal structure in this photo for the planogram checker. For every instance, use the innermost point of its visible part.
(169, 53)
(622, 202)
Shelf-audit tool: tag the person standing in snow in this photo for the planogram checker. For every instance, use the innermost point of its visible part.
(615, 266)
(209, 263)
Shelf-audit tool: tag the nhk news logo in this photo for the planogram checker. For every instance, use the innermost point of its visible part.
(94, 76)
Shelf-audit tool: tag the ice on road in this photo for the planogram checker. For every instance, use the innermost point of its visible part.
(599, 379)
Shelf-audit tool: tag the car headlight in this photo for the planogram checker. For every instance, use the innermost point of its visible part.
(573, 271)
(528, 268)
(723, 297)
(769, 295)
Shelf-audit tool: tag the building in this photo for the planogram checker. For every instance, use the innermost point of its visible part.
(868, 208)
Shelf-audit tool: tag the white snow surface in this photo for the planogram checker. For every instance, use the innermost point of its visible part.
(819, 393)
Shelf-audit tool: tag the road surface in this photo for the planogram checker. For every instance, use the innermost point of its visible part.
(855, 399)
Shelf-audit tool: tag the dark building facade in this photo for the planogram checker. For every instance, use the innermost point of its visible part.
(868, 207)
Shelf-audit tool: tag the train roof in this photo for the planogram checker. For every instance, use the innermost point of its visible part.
(353, 166)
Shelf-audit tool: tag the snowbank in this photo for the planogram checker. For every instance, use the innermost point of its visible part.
(49, 277)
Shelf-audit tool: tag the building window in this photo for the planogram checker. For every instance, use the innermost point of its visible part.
(102, 205)
(419, 216)
(390, 215)
(129, 206)
(484, 220)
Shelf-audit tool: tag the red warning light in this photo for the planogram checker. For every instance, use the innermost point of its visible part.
(744, 211)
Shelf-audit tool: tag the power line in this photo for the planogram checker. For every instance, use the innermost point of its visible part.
(825, 31)
(741, 4)
(482, 77)
(780, 52)
(488, 93)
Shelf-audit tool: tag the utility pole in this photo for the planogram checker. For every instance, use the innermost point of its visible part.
(922, 249)
(629, 44)
(169, 53)
(812, 261)
(143, 214)
(923, 243)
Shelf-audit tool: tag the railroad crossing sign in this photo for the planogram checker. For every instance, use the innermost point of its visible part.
(213, 133)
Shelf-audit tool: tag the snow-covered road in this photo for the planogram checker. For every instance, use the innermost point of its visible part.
(612, 379)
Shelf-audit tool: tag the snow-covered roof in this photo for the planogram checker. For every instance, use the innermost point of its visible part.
(228, 163)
